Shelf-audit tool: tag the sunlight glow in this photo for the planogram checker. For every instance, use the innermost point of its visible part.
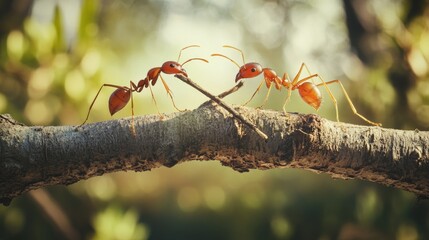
(91, 62)
(40, 82)
(407, 232)
(42, 36)
(74, 83)
(43, 11)
(253, 199)
(38, 112)
(3, 103)
(14, 220)
(188, 199)
(418, 63)
(15, 45)
(102, 188)
(265, 22)
(214, 197)
(281, 227)
(115, 223)
(368, 206)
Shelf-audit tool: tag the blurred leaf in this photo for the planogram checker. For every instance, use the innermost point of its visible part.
(42, 38)
(114, 223)
(87, 24)
(60, 42)
(15, 45)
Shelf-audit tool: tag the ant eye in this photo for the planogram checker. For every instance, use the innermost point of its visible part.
(172, 65)
(253, 69)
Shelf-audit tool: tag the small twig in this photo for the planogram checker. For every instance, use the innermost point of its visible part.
(232, 90)
(223, 104)
(8, 118)
(54, 213)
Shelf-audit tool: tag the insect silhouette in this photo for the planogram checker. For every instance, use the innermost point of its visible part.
(122, 95)
(307, 89)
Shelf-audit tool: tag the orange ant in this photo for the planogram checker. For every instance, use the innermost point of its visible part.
(308, 91)
(122, 95)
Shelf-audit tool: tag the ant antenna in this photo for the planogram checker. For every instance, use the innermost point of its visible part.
(221, 55)
(180, 53)
(201, 59)
(228, 46)
(242, 54)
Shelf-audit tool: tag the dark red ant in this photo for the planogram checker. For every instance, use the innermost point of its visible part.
(122, 95)
(308, 91)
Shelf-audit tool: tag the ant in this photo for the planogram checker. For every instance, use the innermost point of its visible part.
(122, 95)
(308, 91)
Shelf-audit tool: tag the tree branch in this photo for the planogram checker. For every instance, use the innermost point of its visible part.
(33, 157)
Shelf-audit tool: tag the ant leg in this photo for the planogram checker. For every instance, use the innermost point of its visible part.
(95, 98)
(133, 128)
(334, 100)
(348, 100)
(169, 94)
(257, 89)
(266, 97)
(154, 100)
(296, 79)
(289, 93)
(308, 71)
(298, 74)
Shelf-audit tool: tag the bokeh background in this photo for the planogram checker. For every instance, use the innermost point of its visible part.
(54, 56)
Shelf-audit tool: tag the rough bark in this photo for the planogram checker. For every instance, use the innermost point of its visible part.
(33, 157)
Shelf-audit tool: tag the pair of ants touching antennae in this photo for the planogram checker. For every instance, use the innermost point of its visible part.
(308, 90)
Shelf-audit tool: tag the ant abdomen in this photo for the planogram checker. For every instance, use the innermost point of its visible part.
(310, 93)
(119, 99)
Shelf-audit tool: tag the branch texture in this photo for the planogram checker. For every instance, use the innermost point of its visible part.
(32, 157)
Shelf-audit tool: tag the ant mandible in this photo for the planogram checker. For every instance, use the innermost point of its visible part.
(122, 95)
(308, 91)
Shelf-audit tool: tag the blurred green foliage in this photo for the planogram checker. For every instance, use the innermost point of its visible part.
(50, 72)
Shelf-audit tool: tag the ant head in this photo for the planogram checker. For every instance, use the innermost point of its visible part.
(172, 67)
(249, 70)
